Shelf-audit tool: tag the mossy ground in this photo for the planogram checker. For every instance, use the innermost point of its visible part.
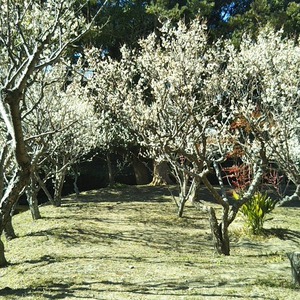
(128, 243)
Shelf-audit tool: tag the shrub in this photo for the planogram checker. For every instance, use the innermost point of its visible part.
(255, 210)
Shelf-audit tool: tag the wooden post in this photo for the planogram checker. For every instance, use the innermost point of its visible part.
(294, 258)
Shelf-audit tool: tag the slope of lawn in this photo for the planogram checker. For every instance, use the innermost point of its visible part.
(127, 243)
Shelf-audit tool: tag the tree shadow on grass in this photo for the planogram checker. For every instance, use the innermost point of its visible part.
(7, 291)
(176, 288)
(158, 239)
(283, 234)
(280, 233)
(198, 286)
(94, 289)
(58, 291)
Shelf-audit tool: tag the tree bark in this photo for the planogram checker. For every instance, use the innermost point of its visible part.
(294, 258)
(44, 188)
(3, 155)
(142, 174)
(219, 233)
(186, 191)
(9, 231)
(59, 181)
(182, 203)
(161, 174)
(76, 176)
(34, 208)
(23, 172)
(31, 194)
(294, 197)
(111, 178)
(3, 261)
(58, 186)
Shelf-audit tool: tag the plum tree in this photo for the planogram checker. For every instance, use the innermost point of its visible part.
(33, 36)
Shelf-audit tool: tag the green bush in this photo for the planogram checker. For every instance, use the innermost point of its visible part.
(255, 211)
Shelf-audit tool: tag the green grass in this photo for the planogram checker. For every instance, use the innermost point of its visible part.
(128, 243)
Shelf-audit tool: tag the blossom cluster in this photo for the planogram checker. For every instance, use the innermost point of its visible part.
(180, 95)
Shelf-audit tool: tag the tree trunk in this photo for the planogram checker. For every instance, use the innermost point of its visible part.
(111, 178)
(34, 208)
(185, 191)
(9, 231)
(3, 155)
(182, 203)
(219, 233)
(161, 174)
(3, 261)
(58, 186)
(142, 174)
(31, 194)
(294, 197)
(23, 171)
(76, 176)
(195, 195)
(294, 258)
(9, 199)
(44, 188)
(188, 193)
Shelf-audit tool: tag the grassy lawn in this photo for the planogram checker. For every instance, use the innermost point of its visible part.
(128, 243)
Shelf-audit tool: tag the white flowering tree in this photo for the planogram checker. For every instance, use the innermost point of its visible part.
(262, 82)
(107, 89)
(109, 86)
(34, 34)
(63, 130)
(188, 122)
(169, 90)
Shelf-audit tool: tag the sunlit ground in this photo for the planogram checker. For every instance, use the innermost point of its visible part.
(128, 243)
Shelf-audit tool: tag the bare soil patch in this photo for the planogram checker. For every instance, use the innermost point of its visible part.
(128, 243)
